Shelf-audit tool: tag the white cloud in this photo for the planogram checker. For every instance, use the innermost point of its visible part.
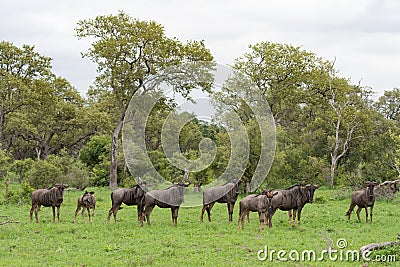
(363, 35)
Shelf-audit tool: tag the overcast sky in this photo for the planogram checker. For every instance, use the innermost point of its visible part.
(363, 35)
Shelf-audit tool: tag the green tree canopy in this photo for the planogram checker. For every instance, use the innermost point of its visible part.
(129, 54)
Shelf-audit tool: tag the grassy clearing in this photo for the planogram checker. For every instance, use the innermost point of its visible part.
(191, 243)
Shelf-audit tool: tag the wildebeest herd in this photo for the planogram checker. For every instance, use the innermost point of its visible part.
(266, 203)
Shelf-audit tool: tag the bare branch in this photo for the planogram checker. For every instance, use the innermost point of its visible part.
(3, 223)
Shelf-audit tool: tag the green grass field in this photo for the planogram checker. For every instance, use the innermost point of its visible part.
(192, 243)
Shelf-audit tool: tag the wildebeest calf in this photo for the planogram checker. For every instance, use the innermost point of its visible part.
(87, 202)
(261, 203)
(52, 197)
(363, 199)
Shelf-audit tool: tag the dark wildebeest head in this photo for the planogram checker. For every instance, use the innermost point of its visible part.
(270, 196)
(238, 182)
(370, 188)
(310, 189)
(140, 189)
(59, 188)
(181, 189)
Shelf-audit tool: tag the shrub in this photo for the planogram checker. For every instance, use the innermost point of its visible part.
(20, 194)
(43, 174)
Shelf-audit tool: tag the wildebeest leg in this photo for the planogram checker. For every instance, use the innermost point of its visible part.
(366, 214)
(31, 211)
(83, 214)
(114, 209)
(240, 218)
(202, 213)
(58, 214)
(54, 213)
(173, 216)
(268, 217)
(174, 213)
(350, 210)
(266, 214)
(233, 207)
(298, 215)
(147, 213)
(261, 215)
(207, 207)
(230, 211)
(371, 208)
(140, 209)
(358, 213)
(242, 215)
(290, 217)
(76, 212)
(37, 208)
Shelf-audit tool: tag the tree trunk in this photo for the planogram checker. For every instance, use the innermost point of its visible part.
(114, 154)
(1, 130)
(7, 183)
(334, 154)
(248, 187)
(331, 177)
(375, 246)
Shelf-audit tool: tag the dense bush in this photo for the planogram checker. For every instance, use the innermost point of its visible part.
(19, 195)
(44, 174)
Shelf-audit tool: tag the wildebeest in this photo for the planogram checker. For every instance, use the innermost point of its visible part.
(167, 198)
(227, 193)
(261, 203)
(128, 196)
(87, 202)
(293, 200)
(52, 197)
(363, 199)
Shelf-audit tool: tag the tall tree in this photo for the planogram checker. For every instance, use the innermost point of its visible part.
(56, 118)
(282, 73)
(346, 102)
(389, 105)
(19, 69)
(129, 53)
